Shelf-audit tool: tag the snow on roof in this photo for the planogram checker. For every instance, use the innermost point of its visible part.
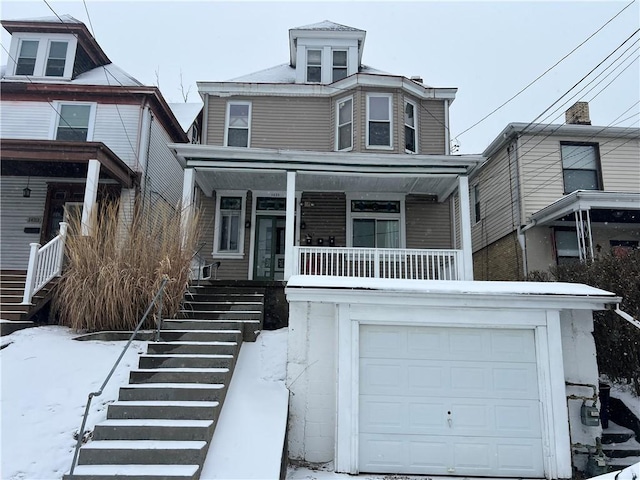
(107, 75)
(186, 113)
(328, 25)
(285, 73)
(62, 19)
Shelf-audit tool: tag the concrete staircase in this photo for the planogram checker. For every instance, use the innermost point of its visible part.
(619, 444)
(161, 426)
(19, 316)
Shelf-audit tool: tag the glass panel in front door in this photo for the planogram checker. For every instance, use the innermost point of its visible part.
(269, 257)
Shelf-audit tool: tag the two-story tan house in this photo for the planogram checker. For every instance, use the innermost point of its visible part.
(552, 194)
(334, 181)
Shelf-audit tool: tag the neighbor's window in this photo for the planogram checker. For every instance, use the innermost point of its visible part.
(410, 139)
(339, 64)
(229, 224)
(567, 250)
(344, 136)
(314, 66)
(580, 167)
(73, 122)
(379, 120)
(376, 224)
(237, 133)
(27, 57)
(476, 203)
(56, 59)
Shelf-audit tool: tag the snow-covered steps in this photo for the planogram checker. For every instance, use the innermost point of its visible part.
(177, 392)
(195, 347)
(201, 335)
(143, 452)
(166, 409)
(183, 360)
(154, 429)
(180, 375)
(135, 472)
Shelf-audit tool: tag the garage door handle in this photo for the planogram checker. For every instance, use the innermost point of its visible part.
(450, 422)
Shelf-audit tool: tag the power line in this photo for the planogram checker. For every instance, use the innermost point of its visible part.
(545, 72)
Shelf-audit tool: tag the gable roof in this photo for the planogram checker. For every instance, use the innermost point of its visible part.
(186, 113)
(324, 30)
(285, 73)
(328, 25)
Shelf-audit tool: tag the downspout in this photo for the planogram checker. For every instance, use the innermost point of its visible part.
(145, 144)
(522, 239)
(205, 121)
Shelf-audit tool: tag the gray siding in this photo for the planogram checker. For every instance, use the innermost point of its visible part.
(26, 120)
(164, 173)
(326, 218)
(428, 223)
(431, 130)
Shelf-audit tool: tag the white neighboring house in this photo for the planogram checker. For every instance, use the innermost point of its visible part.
(76, 130)
(335, 181)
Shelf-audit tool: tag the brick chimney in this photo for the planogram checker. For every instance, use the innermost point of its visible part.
(578, 114)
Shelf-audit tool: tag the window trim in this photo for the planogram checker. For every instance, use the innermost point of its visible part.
(17, 57)
(598, 169)
(307, 65)
(338, 125)
(389, 97)
(48, 57)
(57, 116)
(415, 126)
(377, 215)
(333, 65)
(44, 44)
(216, 253)
(227, 118)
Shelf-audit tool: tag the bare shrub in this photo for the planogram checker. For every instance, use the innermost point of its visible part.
(112, 275)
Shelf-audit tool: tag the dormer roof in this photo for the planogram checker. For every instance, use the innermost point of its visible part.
(324, 30)
(64, 24)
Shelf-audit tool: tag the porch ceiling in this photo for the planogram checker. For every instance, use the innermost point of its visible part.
(52, 158)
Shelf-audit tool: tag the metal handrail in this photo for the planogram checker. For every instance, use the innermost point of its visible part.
(158, 294)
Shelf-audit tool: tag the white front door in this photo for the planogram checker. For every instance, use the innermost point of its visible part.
(456, 401)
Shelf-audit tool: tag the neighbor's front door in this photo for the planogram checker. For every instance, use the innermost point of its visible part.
(269, 256)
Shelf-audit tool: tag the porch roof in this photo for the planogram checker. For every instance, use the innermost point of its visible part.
(329, 171)
(54, 158)
(585, 200)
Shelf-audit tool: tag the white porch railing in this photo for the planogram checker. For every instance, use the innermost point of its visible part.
(410, 264)
(45, 263)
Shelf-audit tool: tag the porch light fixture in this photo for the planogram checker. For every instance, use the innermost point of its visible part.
(26, 191)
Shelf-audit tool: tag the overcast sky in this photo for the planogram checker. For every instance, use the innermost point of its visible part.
(488, 50)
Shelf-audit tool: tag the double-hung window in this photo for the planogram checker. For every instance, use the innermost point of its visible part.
(410, 127)
(339, 64)
(237, 133)
(344, 124)
(580, 166)
(475, 194)
(56, 59)
(376, 223)
(229, 231)
(27, 57)
(379, 124)
(74, 122)
(566, 243)
(314, 66)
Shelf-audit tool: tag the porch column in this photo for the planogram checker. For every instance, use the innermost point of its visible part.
(465, 227)
(188, 184)
(288, 232)
(90, 196)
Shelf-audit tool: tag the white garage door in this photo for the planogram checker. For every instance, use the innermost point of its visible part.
(457, 401)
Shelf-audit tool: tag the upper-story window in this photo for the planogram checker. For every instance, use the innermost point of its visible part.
(238, 122)
(580, 166)
(339, 64)
(344, 124)
(74, 122)
(27, 57)
(410, 127)
(379, 124)
(314, 66)
(56, 59)
(475, 198)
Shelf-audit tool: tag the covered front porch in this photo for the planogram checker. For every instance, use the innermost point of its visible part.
(280, 213)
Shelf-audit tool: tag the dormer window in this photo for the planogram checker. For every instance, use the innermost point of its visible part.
(27, 57)
(56, 59)
(339, 65)
(314, 66)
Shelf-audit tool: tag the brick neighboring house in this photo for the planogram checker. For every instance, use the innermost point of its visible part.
(552, 194)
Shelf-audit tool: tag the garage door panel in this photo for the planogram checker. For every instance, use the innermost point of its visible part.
(403, 453)
(394, 415)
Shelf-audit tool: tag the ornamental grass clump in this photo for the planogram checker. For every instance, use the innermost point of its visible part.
(112, 275)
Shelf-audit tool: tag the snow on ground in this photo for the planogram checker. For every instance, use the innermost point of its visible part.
(46, 377)
(624, 393)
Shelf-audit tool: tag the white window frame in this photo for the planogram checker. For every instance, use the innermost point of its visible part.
(338, 125)
(44, 45)
(414, 127)
(216, 253)
(48, 57)
(57, 116)
(394, 197)
(227, 118)
(345, 67)
(307, 65)
(19, 49)
(389, 98)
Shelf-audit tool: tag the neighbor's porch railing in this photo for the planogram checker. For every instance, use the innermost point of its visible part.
(410, 264)
(45, 263)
